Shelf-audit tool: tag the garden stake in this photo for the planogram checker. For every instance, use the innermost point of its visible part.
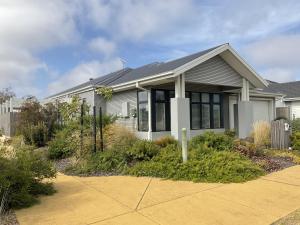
(94, 128)
(101, 131)
(81, 127)
(184, 145)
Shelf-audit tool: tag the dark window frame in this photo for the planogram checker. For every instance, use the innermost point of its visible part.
(138, 110)
(211, 103)
(167, 103)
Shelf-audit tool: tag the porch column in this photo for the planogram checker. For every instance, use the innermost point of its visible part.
(149, 116)
(244, 112)
(6, 103)
(180, 109)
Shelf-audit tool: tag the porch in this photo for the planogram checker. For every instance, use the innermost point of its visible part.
(164, 109)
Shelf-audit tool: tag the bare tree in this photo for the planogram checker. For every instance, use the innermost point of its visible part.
(6, 94)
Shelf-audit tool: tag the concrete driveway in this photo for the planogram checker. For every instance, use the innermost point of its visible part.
(120, 200)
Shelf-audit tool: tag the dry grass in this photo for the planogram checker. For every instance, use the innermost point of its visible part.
(261, 133)
(116, 134)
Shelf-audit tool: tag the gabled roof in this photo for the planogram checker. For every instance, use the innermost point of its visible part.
(127, 78)
(289, 89)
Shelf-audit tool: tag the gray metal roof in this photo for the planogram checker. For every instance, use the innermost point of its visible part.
(128, 74)
(289, 89)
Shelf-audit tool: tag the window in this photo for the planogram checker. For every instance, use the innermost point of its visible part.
(161, 120)
(143, 111)
(206, 110)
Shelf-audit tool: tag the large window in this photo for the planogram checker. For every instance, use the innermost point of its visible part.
(143, 111)
(161, 108)
(206, 111)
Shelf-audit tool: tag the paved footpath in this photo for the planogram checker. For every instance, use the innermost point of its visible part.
(122, 200)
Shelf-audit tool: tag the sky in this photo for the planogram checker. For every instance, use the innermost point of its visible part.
(49, 46)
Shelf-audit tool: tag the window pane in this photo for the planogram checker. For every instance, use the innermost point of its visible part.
(143, 96)
(205, 97)
(172, 94)
(195, 97)
(195, 116)
(216, 98)
(160, 116)
(217, 116)
(143, 116)
(205, 116)
(187, 94)
(160, 95)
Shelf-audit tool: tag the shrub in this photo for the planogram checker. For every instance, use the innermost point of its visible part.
(117, 136)
(35, 134)
(262, 133)
(230, 133)
(22, 176)
(295, 125)
(142, 150)
(203, 165)
(166, 140)
(295, 138)
(63, 145)
(218, 142)
(247, 148)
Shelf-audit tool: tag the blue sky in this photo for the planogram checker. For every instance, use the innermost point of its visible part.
(48, 46)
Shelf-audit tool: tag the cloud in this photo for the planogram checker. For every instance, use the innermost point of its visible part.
(102, 46)
(277, 57)
(27, 29)
(83, 72)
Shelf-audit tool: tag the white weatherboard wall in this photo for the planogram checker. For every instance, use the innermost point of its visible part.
(295, 109)
(214, 71)
(114, 106)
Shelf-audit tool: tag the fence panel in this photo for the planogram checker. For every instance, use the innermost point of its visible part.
(280, 135)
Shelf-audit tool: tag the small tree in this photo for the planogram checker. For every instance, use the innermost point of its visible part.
(6, 94)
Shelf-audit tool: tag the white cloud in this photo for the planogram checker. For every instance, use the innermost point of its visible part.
(28, 28)
(278, 57)
(102, 46)
(83, 72)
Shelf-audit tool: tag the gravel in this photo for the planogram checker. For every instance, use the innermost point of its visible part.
(9, 218)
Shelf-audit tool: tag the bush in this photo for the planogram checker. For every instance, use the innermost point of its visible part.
(117, 137)
(262, 133)
(295, 125)
(218, 142)
(247, 148)
(36, 135)
(295, 138)
(23, 177)
(230, 133)
(165, 141)
(202, 166)
(142, 150)
(63, 145)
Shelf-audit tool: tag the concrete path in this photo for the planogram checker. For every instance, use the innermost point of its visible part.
(121, 200)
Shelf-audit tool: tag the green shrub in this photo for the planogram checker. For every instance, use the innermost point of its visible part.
(23, 177)
(295, 140)
(62, 146)
(296, 125)
(142, 150)
(218, 142)
(230, 133)
(165, 141)
(202, 166)
(36, 135)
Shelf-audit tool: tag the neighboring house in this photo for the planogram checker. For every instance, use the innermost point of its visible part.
(290, 98)
(8, 115)
(212, 90)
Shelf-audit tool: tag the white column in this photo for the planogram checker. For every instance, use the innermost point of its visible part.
(245, 90)
(149, 116)
(180, 109)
